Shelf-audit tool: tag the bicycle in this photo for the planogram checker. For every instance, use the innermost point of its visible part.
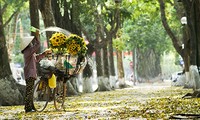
(42, 91)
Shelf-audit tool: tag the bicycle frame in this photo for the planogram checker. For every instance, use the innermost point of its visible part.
(59, 92)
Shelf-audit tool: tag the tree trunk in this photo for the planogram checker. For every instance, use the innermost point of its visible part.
(71, 90)
(186, 53)
(47, 15)
(69, 20)
(103, 82)
(135, 66)
(192, 13)
(120, 69)
(111, 65)
(87, 85)
(11, 93)
(87, 78)
(197, 30)
(148, 69)
(197, 27)
(57, 14)
(4, 64)
(105, 62)
(106, 67)
(88, 72)
(99, 68)
(34, 14)
(114, 21)
(185, 38)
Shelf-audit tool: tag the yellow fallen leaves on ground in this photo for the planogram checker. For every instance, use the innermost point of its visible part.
(145, 101)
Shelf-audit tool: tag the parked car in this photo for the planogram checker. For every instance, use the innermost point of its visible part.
(174, 77)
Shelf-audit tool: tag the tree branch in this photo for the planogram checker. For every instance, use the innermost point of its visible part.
(14, 13)
(4, 8)
(168, 30)
(10, 18)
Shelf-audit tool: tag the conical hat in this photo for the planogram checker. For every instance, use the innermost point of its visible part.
(25, 41)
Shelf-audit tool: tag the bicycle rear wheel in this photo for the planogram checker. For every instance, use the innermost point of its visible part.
(59, 95)
(41, 95)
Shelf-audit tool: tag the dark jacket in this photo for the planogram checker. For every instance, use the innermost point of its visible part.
(30, 59)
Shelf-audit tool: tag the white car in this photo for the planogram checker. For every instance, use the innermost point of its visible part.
(176, 75)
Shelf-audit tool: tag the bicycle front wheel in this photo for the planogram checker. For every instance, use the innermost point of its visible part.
(41, 95)
(59, 95)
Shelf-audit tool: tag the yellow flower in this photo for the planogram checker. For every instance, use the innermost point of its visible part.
(57, 41)
(72, 44)
(75, 45)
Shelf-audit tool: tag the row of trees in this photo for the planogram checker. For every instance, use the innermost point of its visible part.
(131, 25)
(190, 39)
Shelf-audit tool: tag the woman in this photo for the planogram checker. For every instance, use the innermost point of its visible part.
(29, 47)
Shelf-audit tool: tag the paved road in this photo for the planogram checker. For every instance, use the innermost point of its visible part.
(120, 103)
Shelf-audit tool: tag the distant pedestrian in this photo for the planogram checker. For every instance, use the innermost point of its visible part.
(181, 62)
(131, 65)
(132, 77)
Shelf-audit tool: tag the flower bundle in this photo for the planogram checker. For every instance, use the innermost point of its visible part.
(57, 42)
(76, 45)
(72, 44)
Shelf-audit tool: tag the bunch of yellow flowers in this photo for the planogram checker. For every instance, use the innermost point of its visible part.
(72, 44)
(57, 40)
(75, 45)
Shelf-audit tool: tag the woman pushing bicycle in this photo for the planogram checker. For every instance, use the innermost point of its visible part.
(29, 47)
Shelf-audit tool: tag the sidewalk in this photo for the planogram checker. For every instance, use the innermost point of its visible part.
(143, 101)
